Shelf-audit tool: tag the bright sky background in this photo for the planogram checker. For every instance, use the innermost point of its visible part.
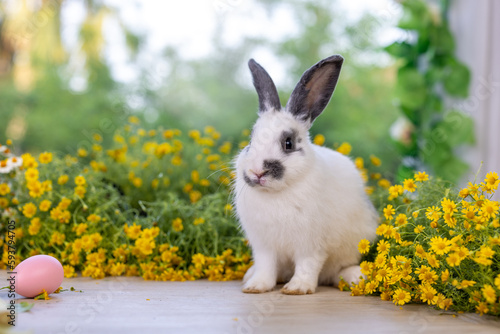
(188, 25)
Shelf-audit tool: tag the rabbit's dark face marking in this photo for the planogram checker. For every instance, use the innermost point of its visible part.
(274, 168)
(289, 142)
(270, 169)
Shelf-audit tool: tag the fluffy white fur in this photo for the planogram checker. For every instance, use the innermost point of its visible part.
(304, 229)
(303, 207)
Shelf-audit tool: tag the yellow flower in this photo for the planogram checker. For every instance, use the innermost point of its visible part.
(80, 229)
(401, 219)
(69, 271)
(448, 206)
(45, 205)
(225, 148)
(319, 140)
(486, 252)
(421, 176)
(63, 179)
(384, 183)
(80, 191)
(428, 276)
(204, 183)
(82, 153)
(364, 246)
(375, 161)
(395, 191)
(163, 149)
(145, 246)
(492, 180)
(198, 221)
(29, 161)
(420, 251)
(137, 182)
(418, 229)
(34, 227)
(29, 210)
(401, 297)
(389, 211)
(433, 213)
(409, 185)
(31, 174)
(150, 233)
(44, 295)
(453, 260)
(489, 209)
(45, 157)
(194, 196)
(440, 245)
(177, 225)
(4, 189)
(344, 148)
(132, 231)
(64, 203)
(428, 294)
(482, 308)
(80, 180)
(489, 294)
(432, 260)
(497, 281)
(133, 120)
(445, 275)
(464, 193)
(176, 160)
(97, 137)
(195, 176)
(35, 188)
(3, 204)
(383, 274)
(57, 238)
(93, 218)
(383, 247)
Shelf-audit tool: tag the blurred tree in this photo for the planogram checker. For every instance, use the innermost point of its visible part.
(57, 104)
(41, 108)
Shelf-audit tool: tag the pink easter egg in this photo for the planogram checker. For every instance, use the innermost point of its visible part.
(37, 273)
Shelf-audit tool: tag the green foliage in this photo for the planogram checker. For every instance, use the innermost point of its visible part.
(428, 73)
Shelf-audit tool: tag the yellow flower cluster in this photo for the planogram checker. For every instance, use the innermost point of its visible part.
(143, 205)
(436, 247)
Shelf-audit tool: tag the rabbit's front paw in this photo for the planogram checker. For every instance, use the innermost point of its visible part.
(352, 275)
(258, 284)
(298, 287)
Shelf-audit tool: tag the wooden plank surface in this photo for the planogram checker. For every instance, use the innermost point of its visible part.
(132, 305)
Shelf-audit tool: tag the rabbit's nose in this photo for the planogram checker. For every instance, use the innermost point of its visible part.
(259, 175)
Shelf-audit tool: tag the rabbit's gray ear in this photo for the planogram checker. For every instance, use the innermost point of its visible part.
(315, 88)
(264, 85)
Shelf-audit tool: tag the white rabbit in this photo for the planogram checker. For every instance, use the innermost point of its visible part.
(303, 207)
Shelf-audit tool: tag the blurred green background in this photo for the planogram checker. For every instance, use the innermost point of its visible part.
(73, 68)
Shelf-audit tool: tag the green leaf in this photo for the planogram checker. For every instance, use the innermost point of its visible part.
(442, 40)
(24, 306)
(401, 49)
(416, 15)
(456, 79)
(452, 169)
(404, 172)
(459, 128)
(411, 89)
(434, 74)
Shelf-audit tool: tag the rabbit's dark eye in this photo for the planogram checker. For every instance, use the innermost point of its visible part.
(288, 144)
